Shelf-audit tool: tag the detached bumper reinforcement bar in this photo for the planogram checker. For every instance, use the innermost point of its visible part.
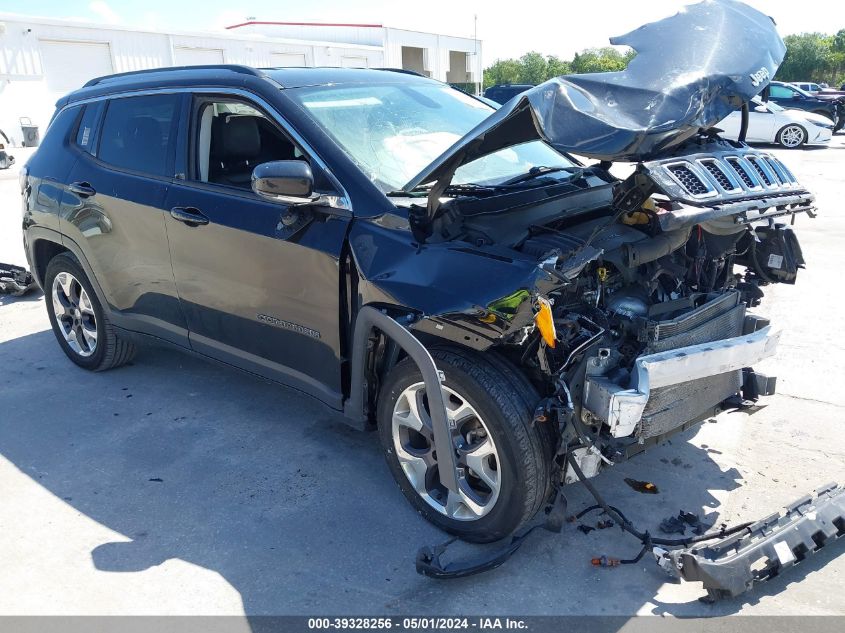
(733, 565)
(623, 408)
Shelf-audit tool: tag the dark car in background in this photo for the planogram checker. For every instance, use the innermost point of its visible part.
(789, 96)
(503, 93)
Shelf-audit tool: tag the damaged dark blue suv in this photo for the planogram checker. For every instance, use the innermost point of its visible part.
(509, 317)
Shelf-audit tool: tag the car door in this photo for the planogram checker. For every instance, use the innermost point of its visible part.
(115, 209)
(761, 124)
(258, 281)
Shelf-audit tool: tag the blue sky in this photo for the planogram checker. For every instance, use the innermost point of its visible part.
(561, 27)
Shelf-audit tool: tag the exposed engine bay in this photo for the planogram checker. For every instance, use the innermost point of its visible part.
(628, 303)
(649, 328)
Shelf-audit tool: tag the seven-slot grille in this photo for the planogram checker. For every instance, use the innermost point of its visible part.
(726, 175)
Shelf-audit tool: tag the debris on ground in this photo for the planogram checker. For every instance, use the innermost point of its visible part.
(605, 561)
(586, 529)
(15, 280)
(646, 487)
(679, 524)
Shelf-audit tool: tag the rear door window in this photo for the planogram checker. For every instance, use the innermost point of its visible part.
(139, 133)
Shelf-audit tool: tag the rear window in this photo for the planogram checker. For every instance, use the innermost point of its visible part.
(138, 133)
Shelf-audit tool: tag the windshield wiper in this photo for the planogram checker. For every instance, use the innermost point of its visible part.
(471, 188)
(536, 172)
(468, 188)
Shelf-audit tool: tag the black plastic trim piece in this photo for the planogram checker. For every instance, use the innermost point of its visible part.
(354, 408)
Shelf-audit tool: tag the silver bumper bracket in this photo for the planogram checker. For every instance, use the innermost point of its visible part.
(622, 408)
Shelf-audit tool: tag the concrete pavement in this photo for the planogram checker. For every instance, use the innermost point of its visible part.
(175, 486)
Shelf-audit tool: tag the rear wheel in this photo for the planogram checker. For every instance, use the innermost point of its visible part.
(792, 136)
(503, 459)
(81, 326)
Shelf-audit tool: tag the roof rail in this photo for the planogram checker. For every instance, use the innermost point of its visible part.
(404, 71)
(235, 68)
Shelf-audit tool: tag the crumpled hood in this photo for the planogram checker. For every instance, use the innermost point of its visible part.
(691, 71)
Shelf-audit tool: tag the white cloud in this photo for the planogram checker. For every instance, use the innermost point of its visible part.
(103, 11)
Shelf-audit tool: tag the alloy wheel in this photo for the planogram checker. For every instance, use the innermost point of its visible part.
(476, 457)
(792, 136)
(74, 313)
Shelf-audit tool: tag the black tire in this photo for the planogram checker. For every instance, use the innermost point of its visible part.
(505, 401)
(782, 135)
(110, 350)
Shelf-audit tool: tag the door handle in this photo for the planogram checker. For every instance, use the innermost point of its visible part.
(189, 215)
(82, 189)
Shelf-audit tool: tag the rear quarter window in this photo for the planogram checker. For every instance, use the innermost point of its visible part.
(86, 134)
(138, 133)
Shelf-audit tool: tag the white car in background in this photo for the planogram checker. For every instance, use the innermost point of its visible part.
(769, 123)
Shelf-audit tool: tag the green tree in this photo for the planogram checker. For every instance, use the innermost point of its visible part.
(533, 68)
(839, 41)
(837, 76)
(600, 60)
(809, 57)
(555, 67)
(503, 71)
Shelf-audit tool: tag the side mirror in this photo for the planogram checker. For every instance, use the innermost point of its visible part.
(286, 181)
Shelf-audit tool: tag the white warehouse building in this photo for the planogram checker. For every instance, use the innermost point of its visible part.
(42, 59)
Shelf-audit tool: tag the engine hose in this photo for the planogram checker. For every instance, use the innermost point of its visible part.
(654, 248)
(757, 267)
(644, 537)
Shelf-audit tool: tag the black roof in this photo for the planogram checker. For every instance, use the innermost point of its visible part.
(237, 76)
(299, 77)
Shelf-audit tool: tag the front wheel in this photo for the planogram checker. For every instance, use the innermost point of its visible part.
(503, 458)
(792, 136)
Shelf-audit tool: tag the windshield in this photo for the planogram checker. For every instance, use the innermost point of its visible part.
(393, 131)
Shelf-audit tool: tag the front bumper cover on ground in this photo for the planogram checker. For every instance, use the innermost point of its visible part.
(734, 564)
